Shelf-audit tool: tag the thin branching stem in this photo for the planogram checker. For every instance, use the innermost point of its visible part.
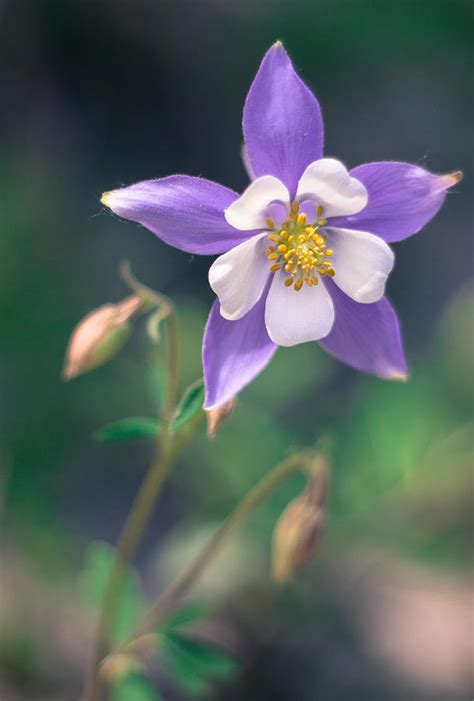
(173, 595)
(169, 446)
(130, 537)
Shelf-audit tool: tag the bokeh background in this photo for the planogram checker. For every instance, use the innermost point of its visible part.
(100, 94)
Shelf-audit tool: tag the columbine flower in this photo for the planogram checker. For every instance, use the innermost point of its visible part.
(305, 247)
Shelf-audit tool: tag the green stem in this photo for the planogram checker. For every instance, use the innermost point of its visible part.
(173, 367)
(130, 537)
(181, 585)
(141, 509)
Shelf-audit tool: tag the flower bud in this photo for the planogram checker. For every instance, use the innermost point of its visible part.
(299, 530)
(118, 665)
(99, 336)
(216, 417)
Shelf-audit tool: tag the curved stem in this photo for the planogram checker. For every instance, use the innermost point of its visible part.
(181, 585)
(173, 366)
(128, 541)
(142, 507)
(131, 533)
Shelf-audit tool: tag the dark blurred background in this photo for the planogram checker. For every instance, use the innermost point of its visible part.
(100, 94)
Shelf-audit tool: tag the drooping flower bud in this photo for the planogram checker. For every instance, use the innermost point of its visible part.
(216, 417)
(299, 530)
(117, 666)
(99, 336)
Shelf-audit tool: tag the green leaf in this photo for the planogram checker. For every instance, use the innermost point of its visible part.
(128, 429)
(188, 614)
(190, 404)
(194, 664)
(94, 579)
(134, 687)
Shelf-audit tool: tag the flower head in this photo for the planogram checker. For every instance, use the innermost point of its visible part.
(304, 252)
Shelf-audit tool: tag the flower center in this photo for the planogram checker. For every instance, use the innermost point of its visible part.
(299, 248)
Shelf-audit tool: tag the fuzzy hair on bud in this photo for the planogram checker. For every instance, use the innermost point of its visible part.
(216, 417)
(99, 336)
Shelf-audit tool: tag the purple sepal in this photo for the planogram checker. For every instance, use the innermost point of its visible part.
(234, 353)
(184, 211)
(282, 123)
(402, 199)
(366, 336)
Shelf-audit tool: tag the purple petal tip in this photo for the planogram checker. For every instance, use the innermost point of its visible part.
(454, 178)
(105, 198)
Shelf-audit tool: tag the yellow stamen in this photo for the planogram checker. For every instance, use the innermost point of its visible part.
(270, 223)
(299, 248)
(301, 220)
(299, 284)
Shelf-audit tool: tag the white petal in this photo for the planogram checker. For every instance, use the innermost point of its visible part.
(239, 276)
(326, 182)
(362, 262)
(251, 210)
(296, 317)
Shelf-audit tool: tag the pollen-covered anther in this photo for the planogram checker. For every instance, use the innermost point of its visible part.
(301, 220)
(300, 249)
(299, 284)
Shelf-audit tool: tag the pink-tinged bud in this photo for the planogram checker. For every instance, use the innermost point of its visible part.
(118, 665)
(99, 336)
(216, 417)
(299, 530)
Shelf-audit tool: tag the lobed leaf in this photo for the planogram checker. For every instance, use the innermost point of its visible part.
(194, 664)
(187, 615)
(190, 404)
(99, 559)
(134, 687)
(128, 429)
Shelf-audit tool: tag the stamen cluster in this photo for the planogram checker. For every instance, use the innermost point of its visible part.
(300, 249)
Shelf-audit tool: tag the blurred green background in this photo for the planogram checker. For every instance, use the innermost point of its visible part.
(100, 94)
